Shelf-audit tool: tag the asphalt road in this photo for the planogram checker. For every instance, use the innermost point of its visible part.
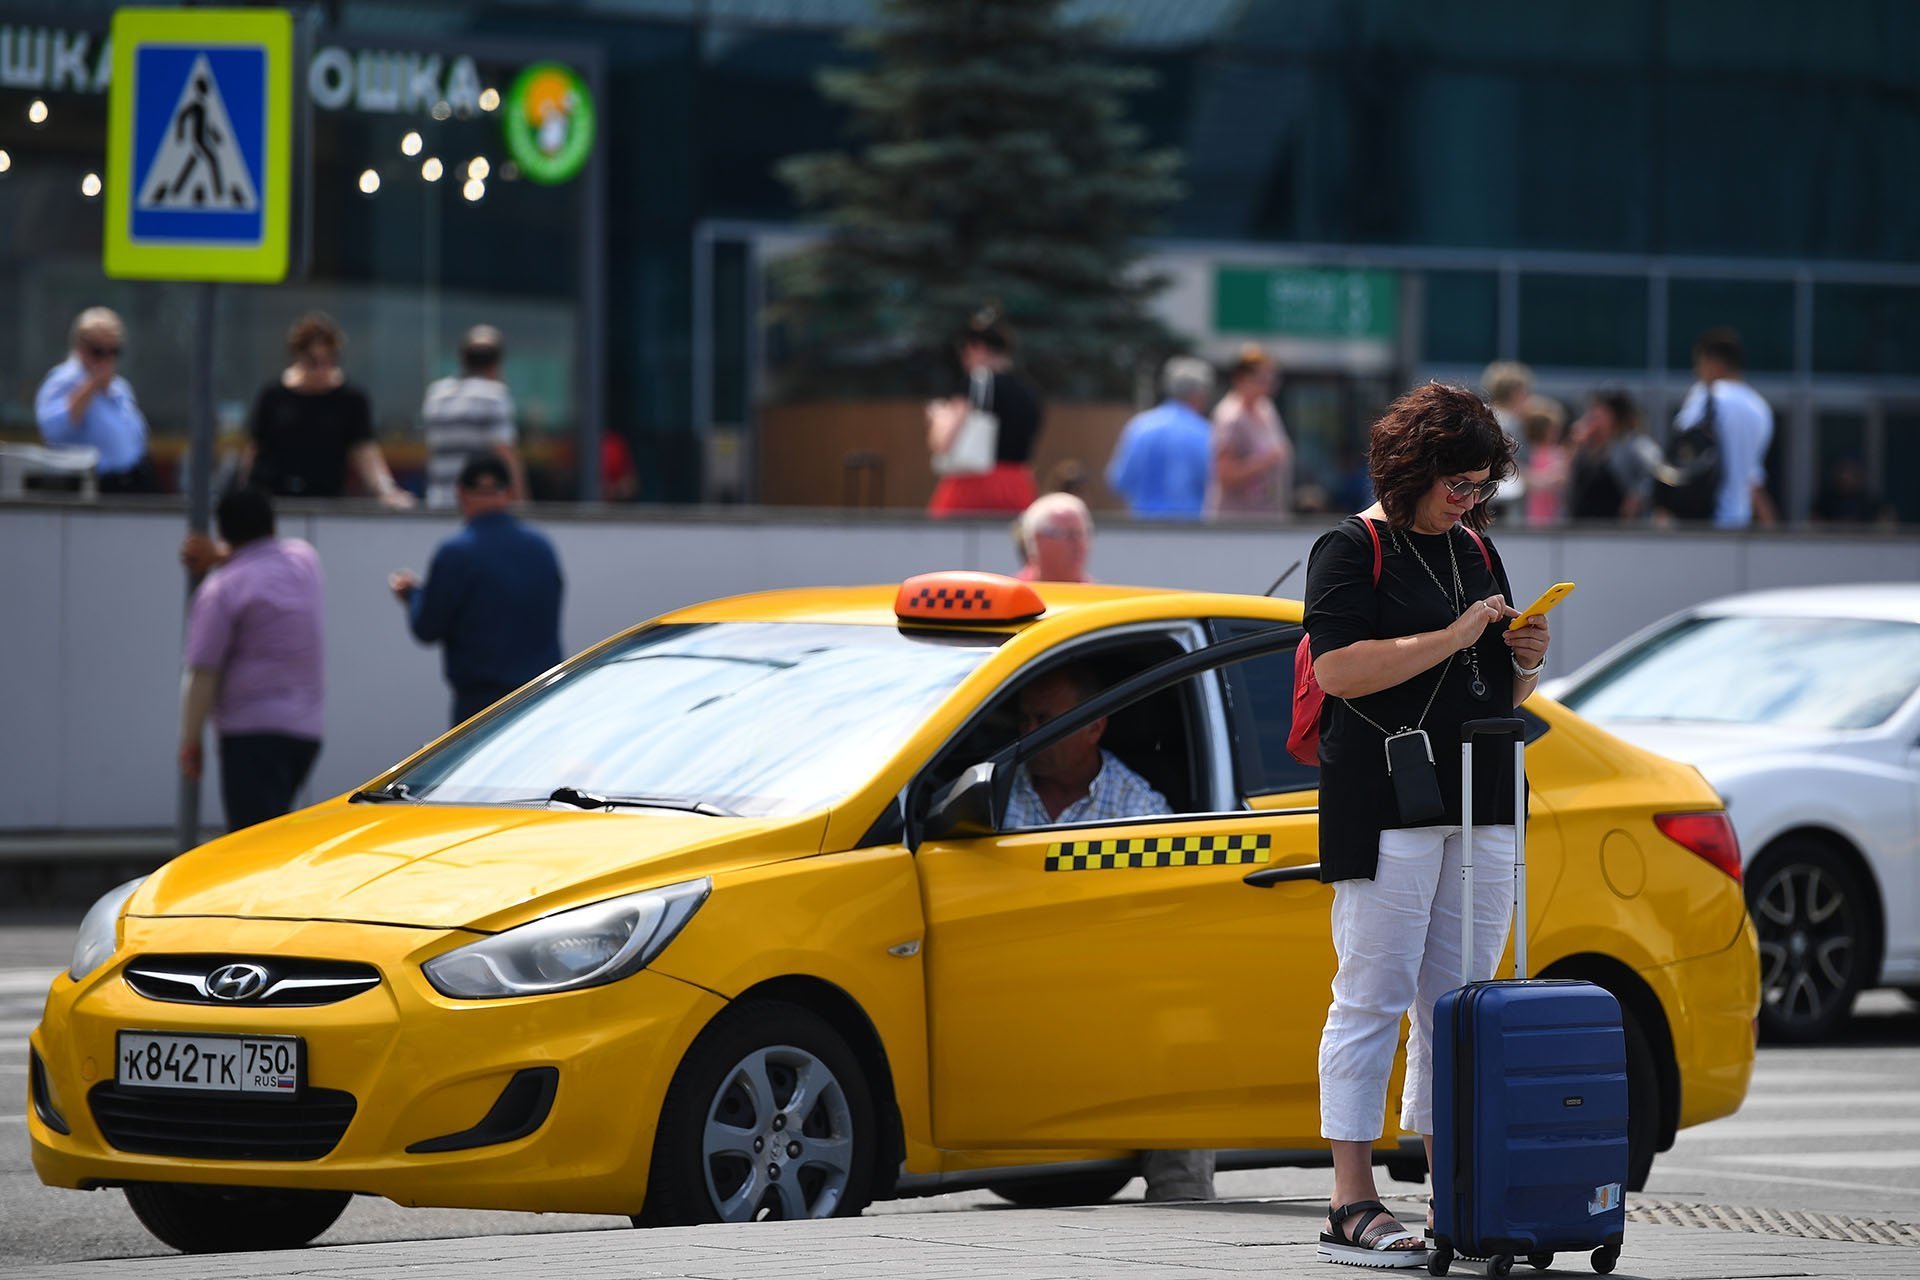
(1834, 1129)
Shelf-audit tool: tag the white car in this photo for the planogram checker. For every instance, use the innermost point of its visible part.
(1799, 707)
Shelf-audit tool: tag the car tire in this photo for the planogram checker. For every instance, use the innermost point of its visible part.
(729, 1149)
(1810, 911)
(1061, 1192)
(200, 1219)
(1643, 1104)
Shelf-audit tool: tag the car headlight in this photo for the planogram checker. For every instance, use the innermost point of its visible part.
(585, 947)
(100, 930)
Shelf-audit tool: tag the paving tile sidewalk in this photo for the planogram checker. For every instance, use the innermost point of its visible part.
(1179, 1242)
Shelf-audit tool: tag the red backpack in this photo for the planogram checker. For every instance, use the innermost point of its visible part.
(1303, 740)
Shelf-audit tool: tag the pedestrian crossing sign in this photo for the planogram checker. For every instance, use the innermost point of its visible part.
(199, 145)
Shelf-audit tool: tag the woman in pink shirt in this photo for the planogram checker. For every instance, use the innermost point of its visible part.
(1252, 457)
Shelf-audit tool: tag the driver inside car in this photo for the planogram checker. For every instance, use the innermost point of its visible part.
(1074, 780)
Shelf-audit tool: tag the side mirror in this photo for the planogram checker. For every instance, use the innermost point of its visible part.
(964, 809)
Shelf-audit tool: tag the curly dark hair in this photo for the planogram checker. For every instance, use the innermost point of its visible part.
(1434, 431)
(315, 326)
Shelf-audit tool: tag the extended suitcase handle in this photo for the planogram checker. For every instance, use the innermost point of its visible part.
(1494, 727)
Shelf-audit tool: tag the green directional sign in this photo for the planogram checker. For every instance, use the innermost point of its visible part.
(1328, 303)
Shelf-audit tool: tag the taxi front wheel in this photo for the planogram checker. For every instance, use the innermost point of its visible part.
(768, 1117)
(197, 1219)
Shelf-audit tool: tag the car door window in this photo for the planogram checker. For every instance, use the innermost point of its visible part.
(1157, 741)
(1259, 699)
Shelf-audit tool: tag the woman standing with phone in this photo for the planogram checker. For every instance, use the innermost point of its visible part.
(1402, 606)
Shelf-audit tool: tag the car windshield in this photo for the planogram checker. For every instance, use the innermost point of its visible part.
(1800, 673)
(768, 719)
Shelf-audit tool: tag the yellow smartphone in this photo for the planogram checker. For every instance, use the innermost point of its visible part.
(1552, 596)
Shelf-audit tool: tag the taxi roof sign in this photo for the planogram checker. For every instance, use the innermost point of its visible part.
(200, 145)
(964, 596)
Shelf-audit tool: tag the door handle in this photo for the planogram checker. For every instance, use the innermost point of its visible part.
(1267, 877)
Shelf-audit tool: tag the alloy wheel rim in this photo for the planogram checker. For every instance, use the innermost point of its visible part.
(778, 1139)
(1805, 923)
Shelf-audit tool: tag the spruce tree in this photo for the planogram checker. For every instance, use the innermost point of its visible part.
(995, 166)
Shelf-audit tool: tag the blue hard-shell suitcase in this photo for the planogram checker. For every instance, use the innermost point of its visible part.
(1530, 1095)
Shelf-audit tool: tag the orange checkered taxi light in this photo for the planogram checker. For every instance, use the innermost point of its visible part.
(962, 596)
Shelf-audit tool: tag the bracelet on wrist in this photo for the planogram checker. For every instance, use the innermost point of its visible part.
(1528, 673)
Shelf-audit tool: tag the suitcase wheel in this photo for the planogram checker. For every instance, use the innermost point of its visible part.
(1500, 1264)
(1441, 1258)
(1539, 1261)
(1604, 1257)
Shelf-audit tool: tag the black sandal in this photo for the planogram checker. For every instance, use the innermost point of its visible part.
(1380, 1247)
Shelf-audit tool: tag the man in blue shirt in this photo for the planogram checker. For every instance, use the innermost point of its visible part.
(85, 401)
(1165, 455)
(492, 594)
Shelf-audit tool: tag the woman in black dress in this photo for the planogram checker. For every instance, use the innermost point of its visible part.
(310, 427)
(1402, 606)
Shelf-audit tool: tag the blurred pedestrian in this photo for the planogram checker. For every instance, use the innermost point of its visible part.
(468, 414)
(492, 594)
(1508, 384)
(981, 438)
(254, 664)
(1164, 459)
(1056, 537)
(1740, 426)
(1252, 456)
(1606, 470)
(310, 425)
(1544, 424)
(83, 400)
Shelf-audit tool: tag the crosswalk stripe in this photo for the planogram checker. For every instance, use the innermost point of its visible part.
(1908, 1158)
(1661, 1169)
(1834, 1127)
(1809, 1102)
(24, 982)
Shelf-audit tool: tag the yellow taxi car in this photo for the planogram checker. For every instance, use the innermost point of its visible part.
(723, 920)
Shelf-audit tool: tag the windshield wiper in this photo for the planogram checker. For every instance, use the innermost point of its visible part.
(385, 795)
(589, 800)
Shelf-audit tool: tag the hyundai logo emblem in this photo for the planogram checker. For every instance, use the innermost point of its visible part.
(237, 982)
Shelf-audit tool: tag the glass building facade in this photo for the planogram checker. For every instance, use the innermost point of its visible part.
(1584, 187)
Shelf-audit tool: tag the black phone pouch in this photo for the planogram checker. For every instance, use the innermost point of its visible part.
(1416, 783)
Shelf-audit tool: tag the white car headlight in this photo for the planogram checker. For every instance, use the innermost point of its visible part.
(585, 947)
(100, 930)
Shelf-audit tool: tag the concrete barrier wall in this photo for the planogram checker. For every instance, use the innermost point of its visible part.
(92, 608)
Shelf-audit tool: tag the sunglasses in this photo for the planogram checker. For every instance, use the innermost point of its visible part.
(102, 353)
(1462, 490)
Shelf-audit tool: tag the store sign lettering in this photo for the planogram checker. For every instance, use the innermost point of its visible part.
(386, 83)
(42, 58)
(370, 80)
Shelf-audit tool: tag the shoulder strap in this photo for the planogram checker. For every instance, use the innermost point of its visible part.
(1373, 535)
(1480, 543)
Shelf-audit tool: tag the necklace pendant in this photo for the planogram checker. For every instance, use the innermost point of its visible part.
(1478, 688)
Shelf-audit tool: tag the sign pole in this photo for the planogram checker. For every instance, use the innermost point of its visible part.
(199, 504)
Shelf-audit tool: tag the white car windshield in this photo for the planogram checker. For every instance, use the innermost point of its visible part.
(768, 719)
(1802, 673)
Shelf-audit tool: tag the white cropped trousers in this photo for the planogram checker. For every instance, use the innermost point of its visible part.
(1397, 937)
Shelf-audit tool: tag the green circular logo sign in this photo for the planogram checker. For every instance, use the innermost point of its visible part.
(549, 122)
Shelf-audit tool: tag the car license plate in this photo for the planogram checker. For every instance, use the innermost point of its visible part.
(271, 1065)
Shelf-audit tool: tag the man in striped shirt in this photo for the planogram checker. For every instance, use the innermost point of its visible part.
(468, 415)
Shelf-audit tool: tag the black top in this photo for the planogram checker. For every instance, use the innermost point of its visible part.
(1014, 401)
(1594, 491)
(301, 439)
(1343, 607)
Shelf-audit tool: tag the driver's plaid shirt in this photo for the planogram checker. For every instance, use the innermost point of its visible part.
(1117, 792)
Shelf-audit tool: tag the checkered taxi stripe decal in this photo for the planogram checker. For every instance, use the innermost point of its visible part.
(964, 599)
(1158, 851)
